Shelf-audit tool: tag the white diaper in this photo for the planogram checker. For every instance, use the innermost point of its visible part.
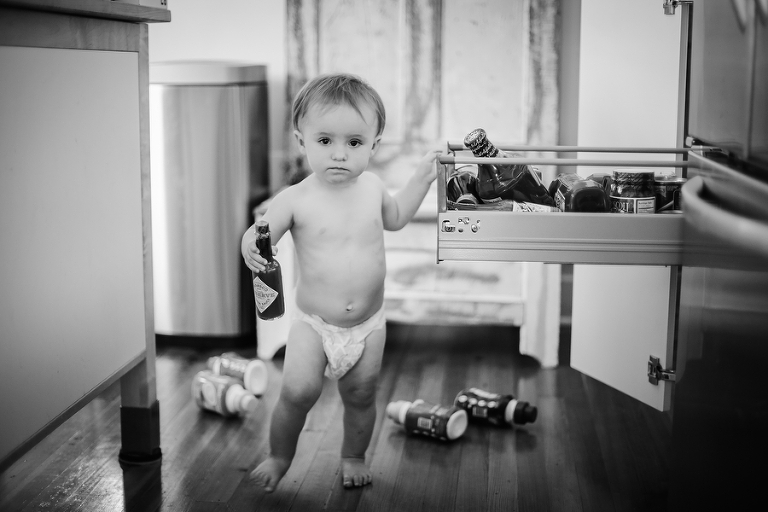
(343, 346)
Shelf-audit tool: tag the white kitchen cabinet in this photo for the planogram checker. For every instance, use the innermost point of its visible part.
(75, 276)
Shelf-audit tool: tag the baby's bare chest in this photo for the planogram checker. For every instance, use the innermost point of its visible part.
(357, 221)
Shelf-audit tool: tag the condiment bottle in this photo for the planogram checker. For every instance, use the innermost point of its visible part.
(632, 191)
(268, 284)
(572, 193)
(462, 187)
(420, 417)
(221, 394)
(504, 181)
(253, 372)
(494, 408)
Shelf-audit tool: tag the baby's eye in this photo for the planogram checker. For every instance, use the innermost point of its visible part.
(355, 143)
(324, 141)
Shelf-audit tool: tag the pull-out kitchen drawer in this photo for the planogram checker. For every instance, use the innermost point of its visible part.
(556, 237)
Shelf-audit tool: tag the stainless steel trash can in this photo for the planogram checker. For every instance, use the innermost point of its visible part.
(209, 168)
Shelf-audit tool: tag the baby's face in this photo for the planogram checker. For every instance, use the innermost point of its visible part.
(338, 141)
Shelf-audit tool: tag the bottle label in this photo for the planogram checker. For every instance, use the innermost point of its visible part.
(209, 391)
(483, 406)
(560, 200)
(233, 367)
(428, 419)
(633, 204)
(263, 294)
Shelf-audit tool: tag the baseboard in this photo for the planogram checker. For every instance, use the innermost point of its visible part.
(247, 340)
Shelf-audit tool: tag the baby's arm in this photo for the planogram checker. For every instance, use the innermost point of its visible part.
(398, 211)
(279, 216)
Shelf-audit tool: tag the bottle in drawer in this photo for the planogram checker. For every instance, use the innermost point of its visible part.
(462, 187)
(573, 193)
(632, 191)
(496, 182)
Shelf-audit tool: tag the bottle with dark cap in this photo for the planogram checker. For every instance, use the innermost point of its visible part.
(504, 181)
(268, 284)
(572, 193)
(462, 187)
(434, 420)
(494, 408)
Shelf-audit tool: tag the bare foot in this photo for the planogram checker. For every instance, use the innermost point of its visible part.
(355, 473)
(269, 473)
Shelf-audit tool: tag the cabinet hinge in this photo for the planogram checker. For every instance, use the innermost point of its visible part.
(657, 373)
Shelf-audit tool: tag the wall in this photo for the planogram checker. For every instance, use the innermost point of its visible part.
(251, 31)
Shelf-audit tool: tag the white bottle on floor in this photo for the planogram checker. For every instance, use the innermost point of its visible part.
(221, 394)
(419, 417)
(253, 372)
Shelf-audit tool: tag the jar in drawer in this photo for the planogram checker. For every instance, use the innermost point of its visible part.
(632, 191)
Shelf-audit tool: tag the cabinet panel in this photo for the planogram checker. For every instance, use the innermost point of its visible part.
(72, 310)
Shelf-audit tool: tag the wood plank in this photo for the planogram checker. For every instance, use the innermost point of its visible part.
(498, 366)
(95, 9)
(29, 478)
(582, 438)
(636, 474)
(459, 469)
(53, 30)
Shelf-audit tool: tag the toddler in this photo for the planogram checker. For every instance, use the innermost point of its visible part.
(336, 217)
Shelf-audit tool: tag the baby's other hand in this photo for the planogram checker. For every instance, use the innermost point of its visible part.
(426, 167)
(253, 259)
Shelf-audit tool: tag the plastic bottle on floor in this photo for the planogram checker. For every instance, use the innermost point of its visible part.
(221, 394)
(253, 372)
(494, 408)
(419, 417)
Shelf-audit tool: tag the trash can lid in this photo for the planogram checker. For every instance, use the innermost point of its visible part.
(202, 72)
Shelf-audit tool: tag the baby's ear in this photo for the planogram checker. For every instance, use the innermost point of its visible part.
(375, 146)
(300, 142)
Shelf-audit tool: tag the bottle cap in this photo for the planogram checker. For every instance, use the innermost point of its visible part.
(256, 377)
(214, 363)
(478, 142)
(248, 403)
(262, 227)
(520, 413)
(396, 410)
(457, 424)
(475, 138)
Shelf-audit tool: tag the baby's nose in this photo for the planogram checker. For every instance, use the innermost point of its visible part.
(339, 155)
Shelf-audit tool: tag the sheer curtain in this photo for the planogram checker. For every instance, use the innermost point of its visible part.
(443, 68)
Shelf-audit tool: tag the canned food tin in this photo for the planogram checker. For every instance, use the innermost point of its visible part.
(666, 188)
(632, 191)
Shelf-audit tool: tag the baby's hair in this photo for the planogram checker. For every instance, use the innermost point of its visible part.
(338, 89)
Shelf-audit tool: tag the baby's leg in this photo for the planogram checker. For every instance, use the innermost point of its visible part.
(302, 384)
(358, 393)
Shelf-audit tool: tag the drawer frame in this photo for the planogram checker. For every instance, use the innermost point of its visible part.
(586, 238)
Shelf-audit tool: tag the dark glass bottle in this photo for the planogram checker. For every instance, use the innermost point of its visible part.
(268, 284)
(572, 193)
(462, 188)
(496, 182)
(494, 408)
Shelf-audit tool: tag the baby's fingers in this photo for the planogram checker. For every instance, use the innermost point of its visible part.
(254, 260)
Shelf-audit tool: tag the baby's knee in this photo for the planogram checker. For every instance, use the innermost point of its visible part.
(300, 396)
(360, 395)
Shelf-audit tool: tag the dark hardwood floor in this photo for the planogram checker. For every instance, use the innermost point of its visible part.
(590, 449)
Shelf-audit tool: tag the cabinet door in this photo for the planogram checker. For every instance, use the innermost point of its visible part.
(72, 311)
(616, 331)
